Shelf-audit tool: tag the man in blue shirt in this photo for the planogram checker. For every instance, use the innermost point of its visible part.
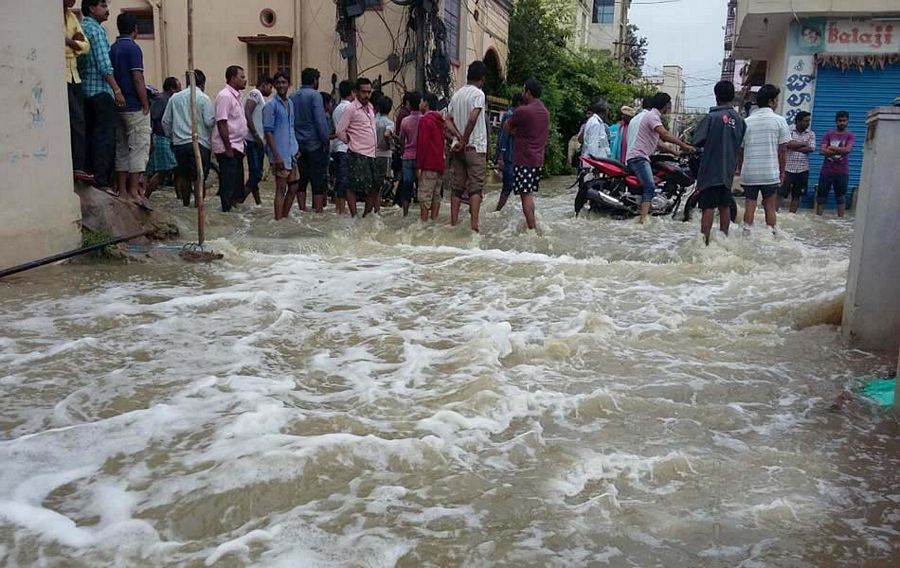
(278, 125)
(133, 127)
(101, 95)
(313, 137)
(505, 151)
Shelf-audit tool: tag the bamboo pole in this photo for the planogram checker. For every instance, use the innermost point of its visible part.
(200, 183)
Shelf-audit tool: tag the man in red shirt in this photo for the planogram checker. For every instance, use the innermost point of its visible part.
(530, 124)
(430, 160)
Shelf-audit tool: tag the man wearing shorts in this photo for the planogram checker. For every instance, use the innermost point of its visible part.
(468, 160)
(339, 149)
(313, 138)
(278, 125)
(133, 124)
(176, 123)
(762, 159)
(430, 160)
(720, 134)
(796, 169)
(357, 129)
(530, 124)
(835, 174)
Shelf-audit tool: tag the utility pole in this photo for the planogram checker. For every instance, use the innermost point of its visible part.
(420, 45)
(352, 61)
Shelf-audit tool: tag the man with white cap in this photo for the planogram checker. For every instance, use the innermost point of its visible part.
(618, 142)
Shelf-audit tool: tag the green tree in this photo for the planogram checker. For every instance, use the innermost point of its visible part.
(635, 50)
(572, 79)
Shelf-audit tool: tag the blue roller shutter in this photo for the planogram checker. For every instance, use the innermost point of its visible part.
(857, 92)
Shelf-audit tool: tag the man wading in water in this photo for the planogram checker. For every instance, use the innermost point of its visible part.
(762, 160)
(530, 125)
(278, 124)
(468, 160)
(357, 130)
(720, 134)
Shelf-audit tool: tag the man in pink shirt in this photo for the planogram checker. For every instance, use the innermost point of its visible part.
(228, 141)
(409, 133)
(650, 132)
(357, 129)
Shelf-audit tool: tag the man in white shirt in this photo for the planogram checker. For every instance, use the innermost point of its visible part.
(176, 123)
(256, 145)
(596, 140)
(762, 159)
(468, 159)
(339, 149)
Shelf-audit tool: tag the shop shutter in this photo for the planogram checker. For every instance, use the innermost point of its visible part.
(857, 92)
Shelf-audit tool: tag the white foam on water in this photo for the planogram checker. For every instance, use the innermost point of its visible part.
(376, 392)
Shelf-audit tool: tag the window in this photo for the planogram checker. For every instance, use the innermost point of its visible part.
(266, 61)
(263, 65)
(604, 11)
(451, 22)
(144, 20)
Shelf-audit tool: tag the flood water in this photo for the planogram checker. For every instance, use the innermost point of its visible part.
(381, 393)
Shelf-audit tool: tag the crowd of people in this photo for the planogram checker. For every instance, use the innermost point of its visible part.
(771, 158)
(127, 140)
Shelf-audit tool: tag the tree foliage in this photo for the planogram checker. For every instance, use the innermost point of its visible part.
(636, 50)
(572, 78)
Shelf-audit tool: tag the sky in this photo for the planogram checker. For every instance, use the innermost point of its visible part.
(689, 33)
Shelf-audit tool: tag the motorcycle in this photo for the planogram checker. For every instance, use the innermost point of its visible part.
(609, 185)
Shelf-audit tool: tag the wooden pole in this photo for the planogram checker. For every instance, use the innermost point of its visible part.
(200, 182)
(352, 61)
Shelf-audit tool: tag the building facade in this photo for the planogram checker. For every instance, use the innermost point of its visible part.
(825, 56)
(266, 36)
(671, 81)
(601, 25)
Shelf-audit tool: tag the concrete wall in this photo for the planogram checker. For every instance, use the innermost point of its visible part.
(872, 305)
(39, 211)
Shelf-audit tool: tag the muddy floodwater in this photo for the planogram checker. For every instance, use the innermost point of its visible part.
(382, 393)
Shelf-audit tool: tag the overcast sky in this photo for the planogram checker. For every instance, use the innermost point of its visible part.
(689, 33)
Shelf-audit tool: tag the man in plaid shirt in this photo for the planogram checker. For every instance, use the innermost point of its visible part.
(101, 95)
(796, 170)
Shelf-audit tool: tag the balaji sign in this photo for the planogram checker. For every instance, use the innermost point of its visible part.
(848, 37)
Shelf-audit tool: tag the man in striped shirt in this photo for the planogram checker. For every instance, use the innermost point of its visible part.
(101, 95)
(761, 161)
(796, 170)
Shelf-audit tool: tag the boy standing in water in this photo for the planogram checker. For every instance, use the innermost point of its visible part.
(836, 147)
(720, 134)
(430, 159)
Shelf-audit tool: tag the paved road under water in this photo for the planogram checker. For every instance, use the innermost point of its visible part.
(380, 393)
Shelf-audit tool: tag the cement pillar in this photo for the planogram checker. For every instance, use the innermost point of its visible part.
(872, 304)
(39, 212)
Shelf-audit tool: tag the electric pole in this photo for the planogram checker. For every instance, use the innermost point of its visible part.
(352, 61)
(420, 46)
